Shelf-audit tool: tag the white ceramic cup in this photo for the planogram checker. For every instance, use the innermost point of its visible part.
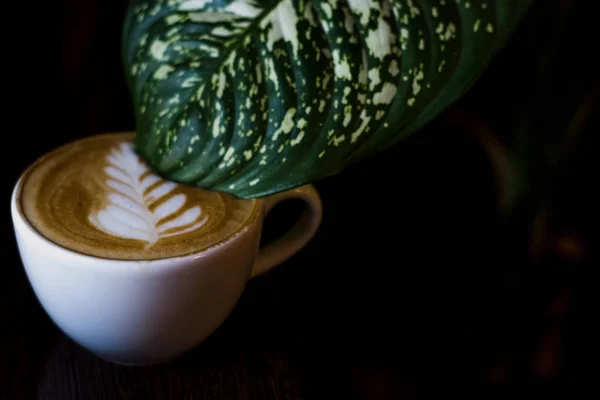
(150, 312)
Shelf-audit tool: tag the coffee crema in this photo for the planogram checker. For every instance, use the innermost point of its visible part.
(96, 196)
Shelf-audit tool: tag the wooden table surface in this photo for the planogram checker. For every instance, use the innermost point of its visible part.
(412, 284)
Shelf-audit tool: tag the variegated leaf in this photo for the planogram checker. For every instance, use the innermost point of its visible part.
(256, 97)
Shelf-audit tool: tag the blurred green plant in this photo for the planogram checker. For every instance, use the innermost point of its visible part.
(537, 128)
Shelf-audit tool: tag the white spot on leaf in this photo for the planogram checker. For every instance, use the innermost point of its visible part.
(193, 5)
(287, 124)
(163, 72)
(362, 7)
(379, 39)
(326, 9)
(298, 139)
(393, 69)
(386, 95)
(342, 68)
(229, 153)
(374, 78)
(416, 87)
(158, 49)
(365, 121)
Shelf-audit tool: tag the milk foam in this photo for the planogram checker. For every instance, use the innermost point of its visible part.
(129, 213)
(97, 196)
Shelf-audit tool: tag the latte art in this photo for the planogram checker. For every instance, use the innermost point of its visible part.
(96, 196)
(141, 205)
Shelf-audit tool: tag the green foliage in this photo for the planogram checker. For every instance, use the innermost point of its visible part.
(257, 97)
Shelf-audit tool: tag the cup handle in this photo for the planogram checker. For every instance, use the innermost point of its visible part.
(284, 247)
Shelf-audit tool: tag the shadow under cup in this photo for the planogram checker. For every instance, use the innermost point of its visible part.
(149, 312)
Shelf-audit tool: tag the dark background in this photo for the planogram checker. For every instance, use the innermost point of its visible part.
(415, 282)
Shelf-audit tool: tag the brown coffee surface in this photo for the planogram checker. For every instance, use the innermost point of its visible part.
(96, 196)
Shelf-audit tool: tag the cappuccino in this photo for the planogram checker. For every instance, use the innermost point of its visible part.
(96, 196)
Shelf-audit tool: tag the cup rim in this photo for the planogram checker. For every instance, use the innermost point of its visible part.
(18, 212)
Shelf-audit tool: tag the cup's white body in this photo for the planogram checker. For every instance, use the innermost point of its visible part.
(137, 312)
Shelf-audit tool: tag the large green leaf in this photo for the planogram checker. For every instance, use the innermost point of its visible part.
(256, 97)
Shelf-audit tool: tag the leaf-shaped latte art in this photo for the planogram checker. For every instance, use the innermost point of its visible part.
(256, 97)
(130, 213)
